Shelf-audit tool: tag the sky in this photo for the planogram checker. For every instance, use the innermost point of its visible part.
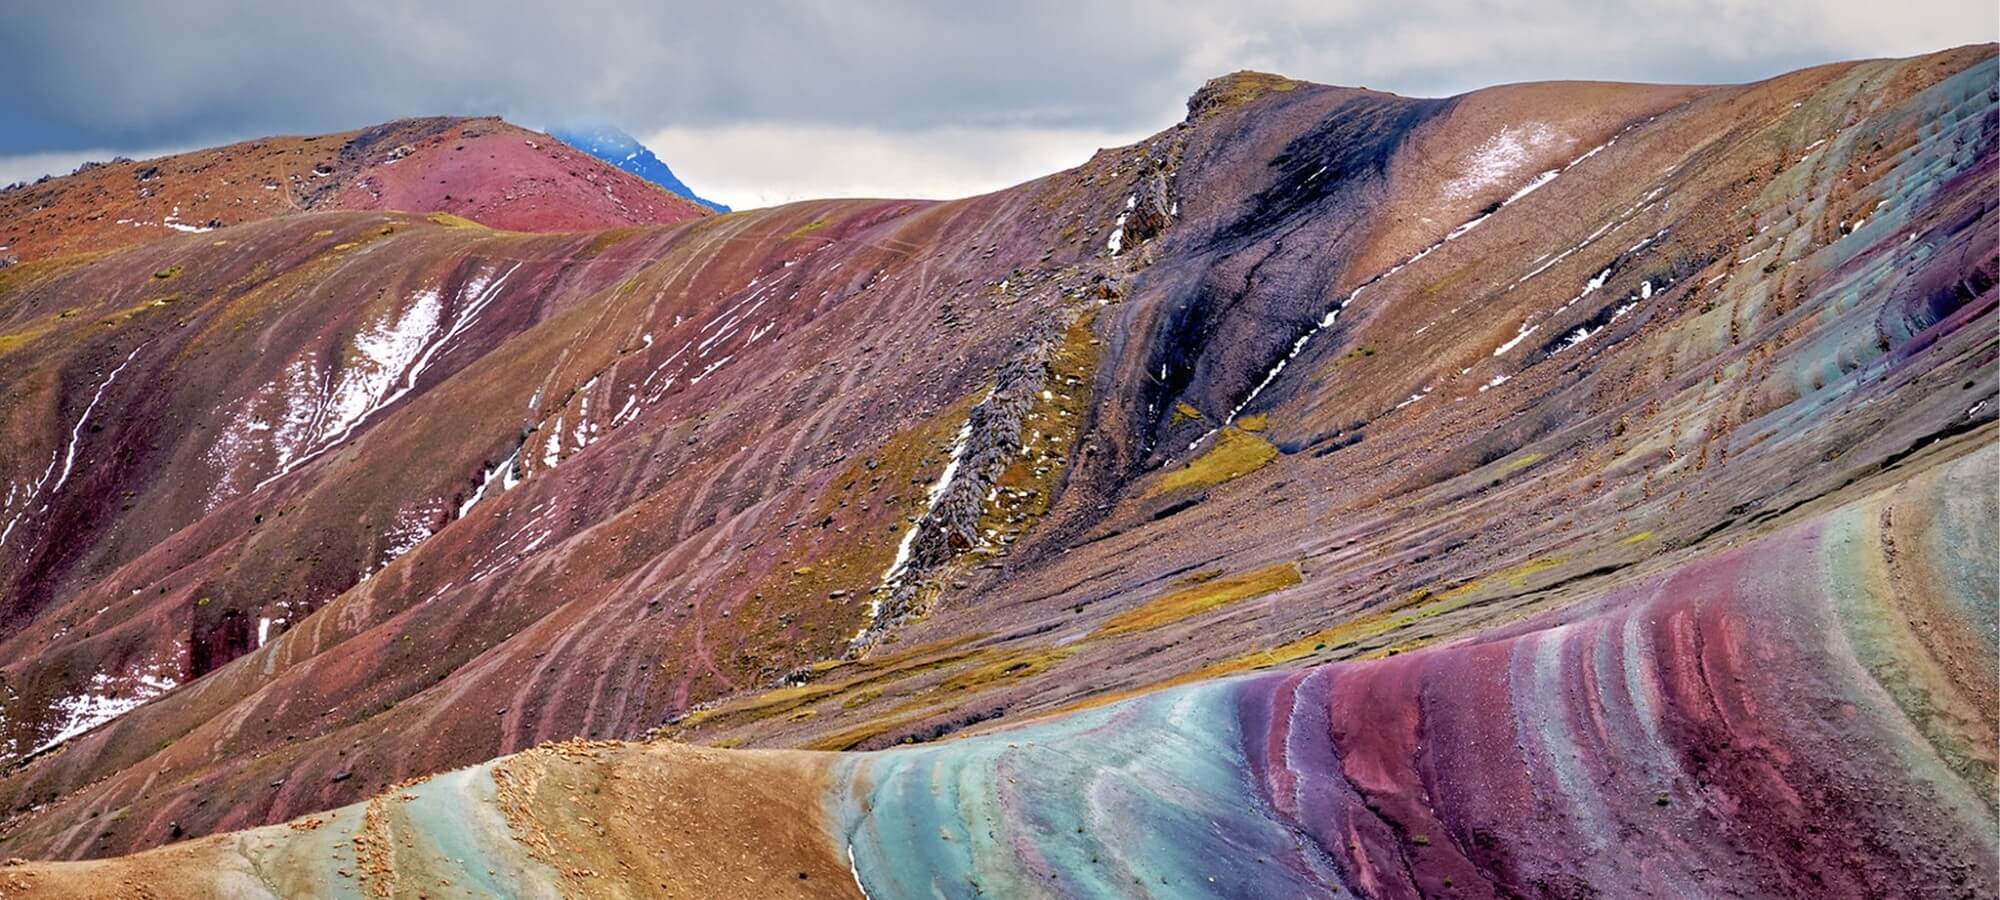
(754, 103)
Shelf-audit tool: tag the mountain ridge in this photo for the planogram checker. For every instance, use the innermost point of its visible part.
(1316, 376)
(624, 151)
(482, 169)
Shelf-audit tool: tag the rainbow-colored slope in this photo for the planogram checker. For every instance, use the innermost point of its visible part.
(1563, 489)
(1810, 714)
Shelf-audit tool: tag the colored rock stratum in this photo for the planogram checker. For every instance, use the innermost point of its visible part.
(1558, 490)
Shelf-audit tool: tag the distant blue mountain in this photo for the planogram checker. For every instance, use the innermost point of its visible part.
(624, 151)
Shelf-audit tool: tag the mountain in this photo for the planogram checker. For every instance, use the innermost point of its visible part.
(624, 151)
(481, 169)
(1517, 493)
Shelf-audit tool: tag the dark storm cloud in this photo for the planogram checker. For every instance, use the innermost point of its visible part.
(87, 75)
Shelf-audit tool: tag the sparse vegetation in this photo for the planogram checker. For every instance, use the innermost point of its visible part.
(1200, 598)
(1235, 453)
(451, 221)
(806, 229)
(1237, 89)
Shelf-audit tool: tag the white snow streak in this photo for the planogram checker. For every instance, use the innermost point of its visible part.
(85, 711)
(76, 433)
(385, 361)
(1500, 156)
(937, 488)
(1333, 313)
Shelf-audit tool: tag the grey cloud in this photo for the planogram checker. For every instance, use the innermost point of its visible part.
(88, 74)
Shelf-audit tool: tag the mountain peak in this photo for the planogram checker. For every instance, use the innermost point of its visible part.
(614, 146)
(482, 169)
(1236, 88)
(1526, 488)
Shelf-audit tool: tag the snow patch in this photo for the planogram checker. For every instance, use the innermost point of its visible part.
(173, 221)
(1519, 336)
(1500, 156)
(1116, 242)
(901, 562)
(383, 363)
(108, 698)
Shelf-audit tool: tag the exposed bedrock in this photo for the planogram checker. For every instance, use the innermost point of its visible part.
(1809, 715)
(1535, 455)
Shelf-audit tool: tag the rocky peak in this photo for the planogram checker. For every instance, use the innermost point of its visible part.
(1235, 89)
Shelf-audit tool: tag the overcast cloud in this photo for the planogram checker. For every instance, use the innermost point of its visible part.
(760, 102)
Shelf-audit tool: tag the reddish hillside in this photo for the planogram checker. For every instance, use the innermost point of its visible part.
(1631, 743)
(1543, 390)
(483, 169)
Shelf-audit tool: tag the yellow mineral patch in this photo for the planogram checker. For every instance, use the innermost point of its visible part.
(1412, 608)
(1235, 453)
(1518, 576)
(1200, 598)
(996, 666)
(806, 229)
(848, 678)
(450, 221)
(16, 340)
